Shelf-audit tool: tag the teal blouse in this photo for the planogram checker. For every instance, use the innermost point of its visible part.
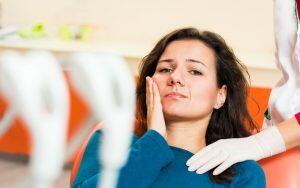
(153, 163)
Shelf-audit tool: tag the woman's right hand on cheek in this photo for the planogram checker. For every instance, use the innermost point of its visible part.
(155, 117)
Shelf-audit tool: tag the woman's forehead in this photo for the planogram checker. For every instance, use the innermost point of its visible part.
(194, 51)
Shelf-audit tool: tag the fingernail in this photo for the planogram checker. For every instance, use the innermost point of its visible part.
(199, 172)
(188, 163)
(191, 169)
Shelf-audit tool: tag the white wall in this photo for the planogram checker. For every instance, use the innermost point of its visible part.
(137, 24)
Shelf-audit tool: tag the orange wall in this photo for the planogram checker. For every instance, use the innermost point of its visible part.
(17, 139)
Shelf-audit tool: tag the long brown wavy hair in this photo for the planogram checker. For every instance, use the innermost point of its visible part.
(232, 120)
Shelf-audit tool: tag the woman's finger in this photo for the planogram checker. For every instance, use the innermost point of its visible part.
(149, 93)
(156, 96)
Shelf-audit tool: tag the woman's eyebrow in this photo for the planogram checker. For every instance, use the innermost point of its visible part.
(171, 61)
(166, 60)
(196, 61)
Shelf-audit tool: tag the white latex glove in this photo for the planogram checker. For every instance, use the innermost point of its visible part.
(227, 152)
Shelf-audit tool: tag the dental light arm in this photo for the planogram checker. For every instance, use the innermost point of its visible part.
(7, 120)
(107, 85)
(34, 84)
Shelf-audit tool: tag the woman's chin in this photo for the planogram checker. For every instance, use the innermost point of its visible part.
(173, 113)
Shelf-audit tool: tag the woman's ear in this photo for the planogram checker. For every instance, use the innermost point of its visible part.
(222, 94)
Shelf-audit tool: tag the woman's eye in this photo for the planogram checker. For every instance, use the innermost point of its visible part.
(165, 70)
(195, 72)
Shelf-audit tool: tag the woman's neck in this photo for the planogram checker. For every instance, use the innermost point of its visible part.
(188, 135)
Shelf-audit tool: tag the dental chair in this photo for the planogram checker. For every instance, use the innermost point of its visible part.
(283, 170)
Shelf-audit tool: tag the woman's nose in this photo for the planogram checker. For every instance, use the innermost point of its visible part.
(177, 77)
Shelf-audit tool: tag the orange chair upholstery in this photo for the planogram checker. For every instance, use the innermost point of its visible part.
(283, 170)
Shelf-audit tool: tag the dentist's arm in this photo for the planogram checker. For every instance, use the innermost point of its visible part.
(266, 143)
(290, 131)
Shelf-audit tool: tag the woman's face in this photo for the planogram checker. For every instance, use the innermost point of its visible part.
(186, 79)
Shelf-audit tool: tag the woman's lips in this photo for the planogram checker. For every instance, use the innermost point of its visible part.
(175, 95)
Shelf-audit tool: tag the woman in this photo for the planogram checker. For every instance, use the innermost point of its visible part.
(284, 104)
(191, 92)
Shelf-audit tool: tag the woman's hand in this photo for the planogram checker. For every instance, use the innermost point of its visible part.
(155, 117)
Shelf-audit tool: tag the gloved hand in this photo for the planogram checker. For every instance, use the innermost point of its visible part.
(227, 152)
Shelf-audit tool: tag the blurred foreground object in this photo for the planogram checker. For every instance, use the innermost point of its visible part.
(107, 85)
(35, 87)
